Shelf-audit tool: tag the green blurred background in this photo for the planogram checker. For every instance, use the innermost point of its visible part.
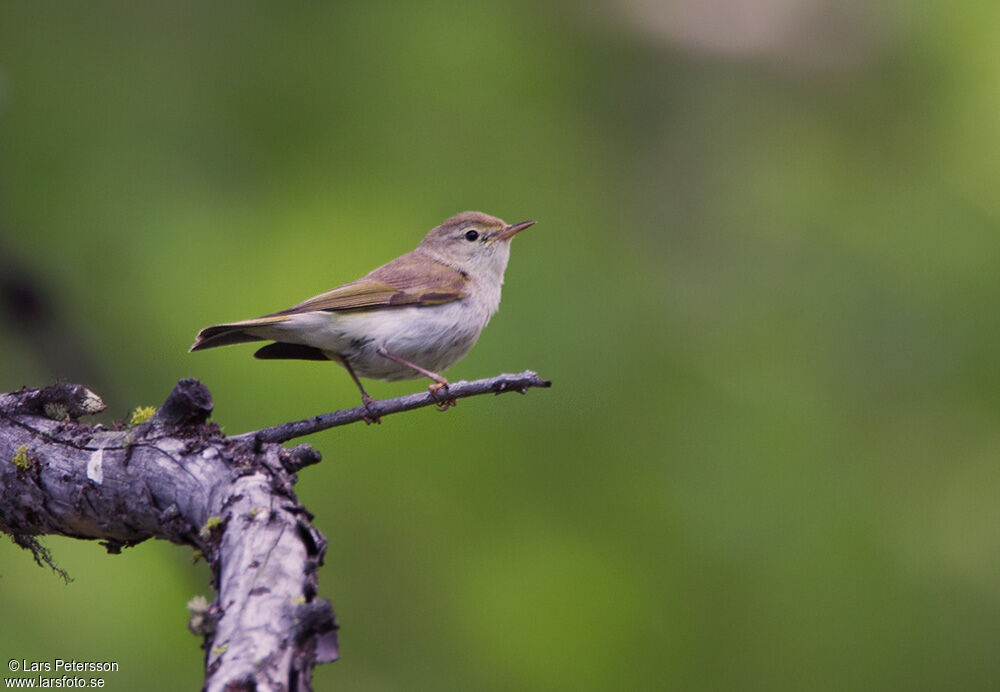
(764, 282)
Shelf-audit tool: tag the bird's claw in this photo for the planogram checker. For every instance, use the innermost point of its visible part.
(367, 401)
(442, 404)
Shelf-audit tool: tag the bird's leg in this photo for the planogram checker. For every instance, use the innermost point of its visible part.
(442, 382)
(439, 382)
(366, 400)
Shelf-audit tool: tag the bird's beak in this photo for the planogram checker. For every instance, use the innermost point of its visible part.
(513, 229)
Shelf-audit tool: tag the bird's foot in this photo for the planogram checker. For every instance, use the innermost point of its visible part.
(367, 401)
(445, 403)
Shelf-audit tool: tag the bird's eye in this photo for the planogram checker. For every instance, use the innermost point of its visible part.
(471, 235)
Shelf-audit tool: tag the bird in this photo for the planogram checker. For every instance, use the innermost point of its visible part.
(413, 317)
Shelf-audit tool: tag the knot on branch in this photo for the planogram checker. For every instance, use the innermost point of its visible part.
(299, 456)
(317, 622)
(190, 403)
(60, 401)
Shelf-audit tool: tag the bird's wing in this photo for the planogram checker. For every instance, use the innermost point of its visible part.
(403, 281)
(413, 279)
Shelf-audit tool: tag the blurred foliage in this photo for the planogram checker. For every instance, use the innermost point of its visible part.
(764, 282)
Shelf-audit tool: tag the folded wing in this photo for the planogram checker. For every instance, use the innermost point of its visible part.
(412, 279)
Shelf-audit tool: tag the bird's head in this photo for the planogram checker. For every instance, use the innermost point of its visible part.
(474, 242)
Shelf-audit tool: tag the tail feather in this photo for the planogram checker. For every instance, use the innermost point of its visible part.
(222, 339)
(231, 333)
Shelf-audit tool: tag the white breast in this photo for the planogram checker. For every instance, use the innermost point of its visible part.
(433, 337)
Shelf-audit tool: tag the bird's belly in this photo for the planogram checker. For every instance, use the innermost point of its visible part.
(433, 337)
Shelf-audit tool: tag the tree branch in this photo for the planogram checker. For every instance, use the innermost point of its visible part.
(283, 432)
(184, 482)
(177, 478)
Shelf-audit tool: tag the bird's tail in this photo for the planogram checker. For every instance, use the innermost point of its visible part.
(233, 332)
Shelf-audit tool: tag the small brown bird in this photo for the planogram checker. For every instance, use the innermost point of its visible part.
(415, 316)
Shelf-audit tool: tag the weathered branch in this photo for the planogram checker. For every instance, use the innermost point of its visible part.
(177, 478)
(520, 382)
(184, 482)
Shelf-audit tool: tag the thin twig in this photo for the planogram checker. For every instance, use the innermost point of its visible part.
(283, 432)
